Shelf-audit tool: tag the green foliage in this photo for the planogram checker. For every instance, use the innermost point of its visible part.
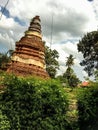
(63, 81)
(73, 80)
(4, 59)
(69, 74)
(88, 45)
(96, 75)
(52, 64)
(4, 122)
(70, 61)
(88, 107)
(34, 104)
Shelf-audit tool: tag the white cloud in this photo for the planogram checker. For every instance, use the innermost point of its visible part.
(3, 2)
(71, 47)
(7, 23)
(95, 8)
(71, 19)
(10, 31)
(4, 38)
(77, 62)
(84, 74)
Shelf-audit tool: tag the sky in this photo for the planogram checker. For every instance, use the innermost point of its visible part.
(64, 23)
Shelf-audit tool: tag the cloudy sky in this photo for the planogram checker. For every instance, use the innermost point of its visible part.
(64, 22)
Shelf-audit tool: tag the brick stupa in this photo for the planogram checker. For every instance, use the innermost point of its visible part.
(29, 55)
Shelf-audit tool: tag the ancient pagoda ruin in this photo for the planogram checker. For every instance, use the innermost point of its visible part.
(29, 55)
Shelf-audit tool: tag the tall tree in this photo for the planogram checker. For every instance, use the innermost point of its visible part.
(69, 70)
(70, 61)
(52, 64)
(88, 46)
(69, 73)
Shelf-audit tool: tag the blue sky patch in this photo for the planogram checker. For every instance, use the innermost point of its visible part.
(4, 11)
(22, 23)
(69, 40)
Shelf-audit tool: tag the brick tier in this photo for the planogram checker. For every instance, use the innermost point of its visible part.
(29, 55)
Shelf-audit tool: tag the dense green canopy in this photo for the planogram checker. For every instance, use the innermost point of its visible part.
(52, 64)
(88, 46)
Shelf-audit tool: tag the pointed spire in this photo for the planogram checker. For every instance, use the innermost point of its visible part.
(29, 55)
(34, 28)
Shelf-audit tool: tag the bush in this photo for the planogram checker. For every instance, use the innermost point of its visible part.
(88, 107)
(4, 122)
(34, 104)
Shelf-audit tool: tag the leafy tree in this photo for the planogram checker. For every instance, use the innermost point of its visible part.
(70, 61)
(69, 73)
(71, 77)
(88, 46)
(52, 64)
(5, 58)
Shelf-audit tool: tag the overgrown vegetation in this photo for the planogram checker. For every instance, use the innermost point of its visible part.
(88, 107)
(33, 103)
(36, 104)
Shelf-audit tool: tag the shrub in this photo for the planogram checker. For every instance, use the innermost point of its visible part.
(34, 104)
(88, 107)
(4, 122)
